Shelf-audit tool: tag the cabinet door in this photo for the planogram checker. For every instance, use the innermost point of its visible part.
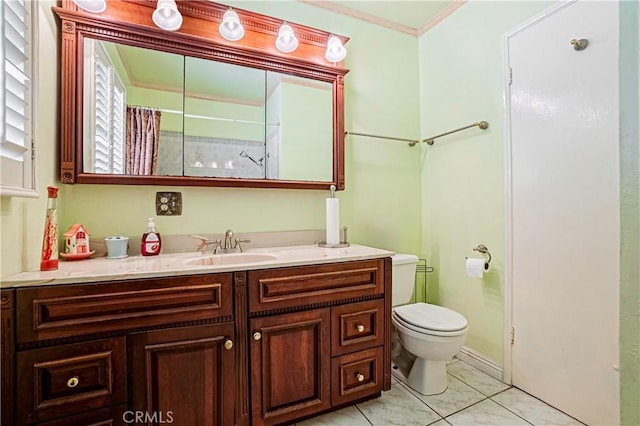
(290, 366)
(184, 376)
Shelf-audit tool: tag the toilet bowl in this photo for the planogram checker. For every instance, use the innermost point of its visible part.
(426, 335)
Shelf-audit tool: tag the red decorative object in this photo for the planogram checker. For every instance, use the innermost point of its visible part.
(49, 257)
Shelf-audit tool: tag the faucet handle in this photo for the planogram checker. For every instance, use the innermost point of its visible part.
(204, 242)
(241, 240)
(217, 245)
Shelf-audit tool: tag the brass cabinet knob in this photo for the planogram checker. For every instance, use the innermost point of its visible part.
(73, 382)
(360, 377)
(257, 335)
(228, 344)
(360, 328)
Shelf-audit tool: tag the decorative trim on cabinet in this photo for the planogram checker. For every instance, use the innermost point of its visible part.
(55, 312)
(302, 286)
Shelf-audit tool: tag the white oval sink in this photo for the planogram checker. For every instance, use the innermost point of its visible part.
(229, 259)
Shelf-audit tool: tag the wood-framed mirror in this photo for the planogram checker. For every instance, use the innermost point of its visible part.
(145, 106)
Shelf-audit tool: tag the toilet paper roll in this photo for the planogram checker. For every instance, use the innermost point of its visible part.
(476, 267)
(333, 221)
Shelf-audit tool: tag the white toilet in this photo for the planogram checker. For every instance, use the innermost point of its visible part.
(427, 335)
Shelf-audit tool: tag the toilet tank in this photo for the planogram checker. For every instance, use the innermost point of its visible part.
(403, 277)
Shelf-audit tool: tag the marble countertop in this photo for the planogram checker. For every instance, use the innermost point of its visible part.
(177, 264)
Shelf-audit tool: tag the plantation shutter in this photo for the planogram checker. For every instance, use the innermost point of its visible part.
(118, 117)
(102, 118)
(17, 176)
(106, 95)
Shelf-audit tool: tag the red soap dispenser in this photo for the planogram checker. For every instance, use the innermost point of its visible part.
(150, 243)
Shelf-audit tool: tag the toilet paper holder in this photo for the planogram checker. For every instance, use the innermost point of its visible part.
(481, 248)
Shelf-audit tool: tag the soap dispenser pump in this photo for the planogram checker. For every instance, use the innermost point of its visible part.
(151, 242)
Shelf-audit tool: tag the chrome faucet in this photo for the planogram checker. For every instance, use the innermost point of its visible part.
(228, 239)
(232, 245)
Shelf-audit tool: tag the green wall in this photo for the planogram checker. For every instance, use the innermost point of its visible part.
(629, 213)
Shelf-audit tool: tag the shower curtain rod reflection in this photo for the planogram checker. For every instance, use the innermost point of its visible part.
(207, 117)
(429, 141)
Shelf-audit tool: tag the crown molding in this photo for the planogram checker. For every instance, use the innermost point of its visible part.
(376, 20)
(342, 10)
(441, 16)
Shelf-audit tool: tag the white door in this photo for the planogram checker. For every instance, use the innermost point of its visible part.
(564, 192)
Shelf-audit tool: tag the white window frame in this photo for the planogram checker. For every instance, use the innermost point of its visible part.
(27, 166)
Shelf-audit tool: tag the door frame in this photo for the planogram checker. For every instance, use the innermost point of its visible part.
(508, 213)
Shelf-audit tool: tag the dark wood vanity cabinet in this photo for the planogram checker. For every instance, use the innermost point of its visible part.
(330, 351)
(260, 347)
(148, 351)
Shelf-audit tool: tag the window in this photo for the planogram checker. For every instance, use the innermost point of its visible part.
(17, 153)
(105, 98)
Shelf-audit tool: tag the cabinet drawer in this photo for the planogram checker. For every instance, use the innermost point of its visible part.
(307, 285)
(355, 376)
(357, 326)
(72, 310)
(58, 381)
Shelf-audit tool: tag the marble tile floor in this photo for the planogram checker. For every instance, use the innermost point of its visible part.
(473, 398)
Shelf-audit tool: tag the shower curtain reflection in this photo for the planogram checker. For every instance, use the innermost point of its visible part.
(143, 132)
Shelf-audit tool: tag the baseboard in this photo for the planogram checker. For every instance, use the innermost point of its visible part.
(481, 362)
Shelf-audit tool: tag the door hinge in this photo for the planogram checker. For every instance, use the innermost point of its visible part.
(510, 76)
(513, 334)
(33, 149)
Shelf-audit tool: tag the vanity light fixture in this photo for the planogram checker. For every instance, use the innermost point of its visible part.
(94, 6)
(335, 50)
(287, 40)
(230, 27)
(167, 16)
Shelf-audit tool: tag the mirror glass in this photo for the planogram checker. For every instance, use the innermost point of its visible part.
(147, 112)
(299, 125)
(224, 121)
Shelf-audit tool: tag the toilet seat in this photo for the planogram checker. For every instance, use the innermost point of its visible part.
(430, 319)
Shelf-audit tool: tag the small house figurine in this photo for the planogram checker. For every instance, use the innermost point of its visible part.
(77, 239)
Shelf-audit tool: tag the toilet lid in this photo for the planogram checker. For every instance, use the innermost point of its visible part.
(431, 317)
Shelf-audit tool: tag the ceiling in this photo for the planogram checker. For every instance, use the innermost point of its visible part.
(408, 16)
